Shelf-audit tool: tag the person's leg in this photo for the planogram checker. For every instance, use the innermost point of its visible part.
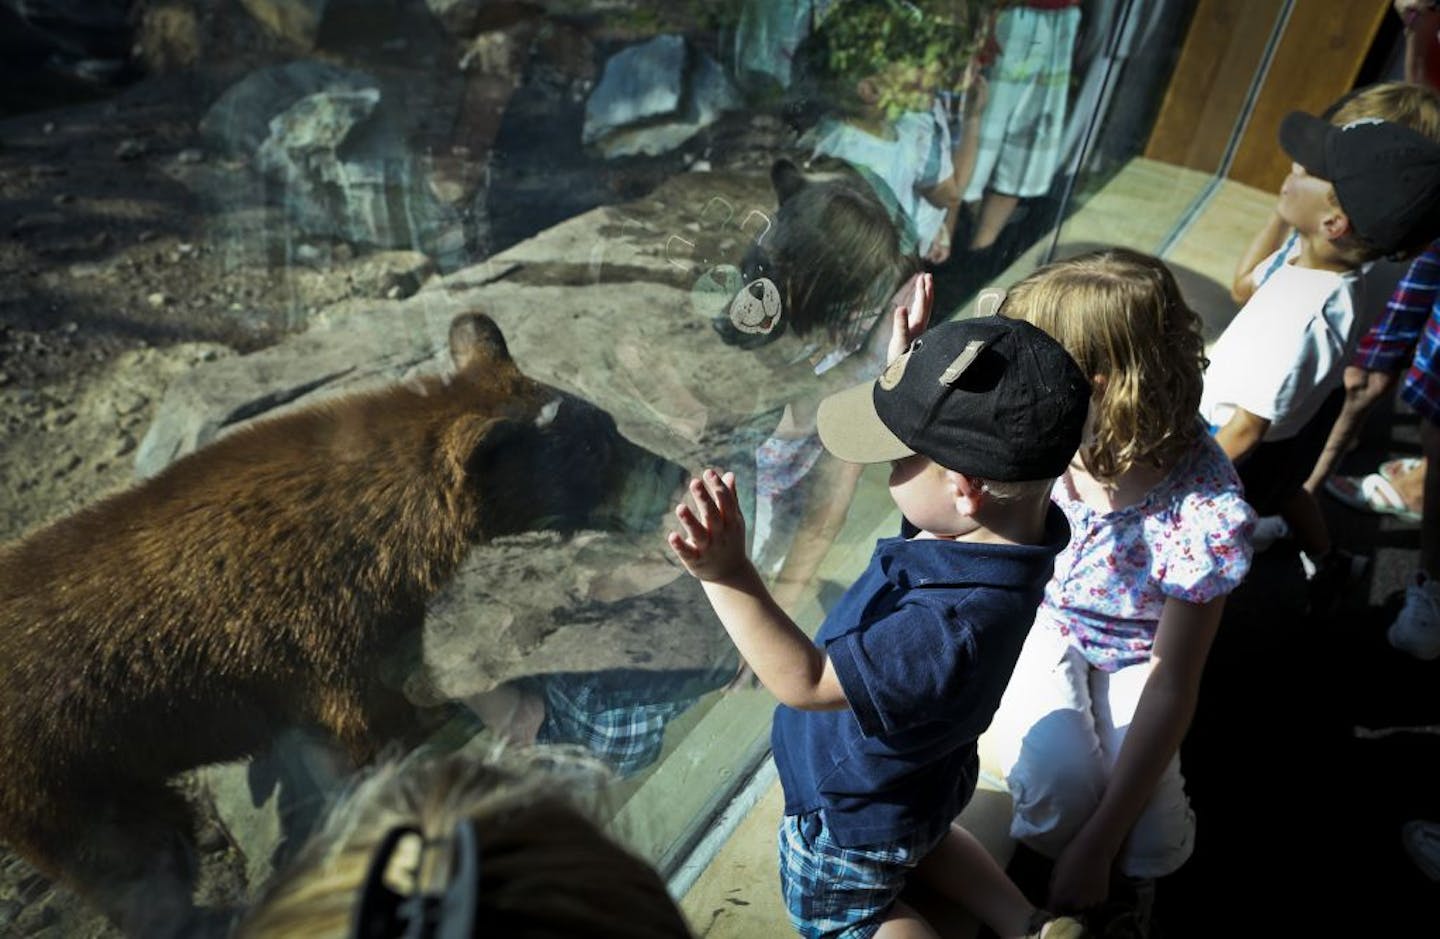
(1363, 389)
(1301, 511)
(995, 210)
(1430, 509)
(514, 711)
(903, 922)
(1416, 631)
(1163, 837)
(962, 871)
(832, 890)
(1043, 740)
(1037, 61)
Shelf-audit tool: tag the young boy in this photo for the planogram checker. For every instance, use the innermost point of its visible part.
(1355, 193)
(875, 736)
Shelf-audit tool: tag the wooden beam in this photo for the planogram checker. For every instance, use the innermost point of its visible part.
(1317, 61)
(1222, 49)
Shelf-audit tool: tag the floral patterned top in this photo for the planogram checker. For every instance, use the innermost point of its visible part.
(1189, 538)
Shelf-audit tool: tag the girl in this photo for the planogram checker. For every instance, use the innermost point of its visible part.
(1091, 723)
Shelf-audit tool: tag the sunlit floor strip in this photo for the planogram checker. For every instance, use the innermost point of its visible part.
(723, 827)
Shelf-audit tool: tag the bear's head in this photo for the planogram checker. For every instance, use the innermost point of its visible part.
(829, 261)
(540, 457)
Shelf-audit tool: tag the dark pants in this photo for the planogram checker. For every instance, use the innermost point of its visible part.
(1275, 471)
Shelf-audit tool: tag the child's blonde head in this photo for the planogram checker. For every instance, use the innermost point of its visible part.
(1120, 315)
(1412, 106)
(545, 869)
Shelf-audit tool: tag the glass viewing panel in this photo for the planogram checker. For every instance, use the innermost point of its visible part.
(689, 220)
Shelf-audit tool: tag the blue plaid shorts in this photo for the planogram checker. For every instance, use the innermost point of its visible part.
(619, 721)
(843, 893)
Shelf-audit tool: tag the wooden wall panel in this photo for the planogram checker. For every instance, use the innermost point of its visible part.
(1318, 60)
(1222, 49)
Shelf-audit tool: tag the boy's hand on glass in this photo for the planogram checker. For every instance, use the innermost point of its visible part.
(711, 540)
(909, 321)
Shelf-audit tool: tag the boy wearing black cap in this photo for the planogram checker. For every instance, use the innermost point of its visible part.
(875, 736)
(1356, 192)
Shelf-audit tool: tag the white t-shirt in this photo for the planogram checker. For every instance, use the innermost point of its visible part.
(1286, 349)
(918, 158)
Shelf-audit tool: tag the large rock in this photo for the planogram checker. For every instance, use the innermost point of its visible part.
(613, 305)
(347, 174)
(239, 121)
(639, 83)
(709, 94)
(596, 598)
(210, 400)
(653, 97)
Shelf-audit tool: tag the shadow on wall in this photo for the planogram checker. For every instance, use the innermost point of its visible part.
(1206, 296)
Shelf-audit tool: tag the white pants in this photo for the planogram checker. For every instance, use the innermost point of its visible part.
(1056, 736)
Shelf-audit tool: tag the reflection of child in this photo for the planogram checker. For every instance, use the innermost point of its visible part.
(1090, 727)
(618, 715)
(880, 63)
(1022, 127)
(467, 848)
(906, 161)
(875, 738)
(829, 269)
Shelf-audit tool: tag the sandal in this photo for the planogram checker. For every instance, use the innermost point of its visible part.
(1046, 925)
(1403, 466)
(1372, 493)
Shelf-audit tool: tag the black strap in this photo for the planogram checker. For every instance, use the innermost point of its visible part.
(383, 913)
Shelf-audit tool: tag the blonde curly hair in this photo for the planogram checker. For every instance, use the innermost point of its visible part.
(1120, 315)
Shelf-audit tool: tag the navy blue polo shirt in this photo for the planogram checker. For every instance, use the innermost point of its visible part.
(923, 643)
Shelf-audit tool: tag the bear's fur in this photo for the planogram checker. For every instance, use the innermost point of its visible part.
(253, 586)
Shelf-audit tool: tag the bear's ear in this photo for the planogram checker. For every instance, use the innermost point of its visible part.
(475, 338)
(471, 442)
(787, 179)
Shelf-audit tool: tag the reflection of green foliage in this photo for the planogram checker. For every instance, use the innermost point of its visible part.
(908, 48)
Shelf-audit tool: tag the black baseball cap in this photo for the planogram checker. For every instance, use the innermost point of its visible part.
(1386, 176)
(992, 397)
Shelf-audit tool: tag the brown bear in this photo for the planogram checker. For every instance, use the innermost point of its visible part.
(254, 586)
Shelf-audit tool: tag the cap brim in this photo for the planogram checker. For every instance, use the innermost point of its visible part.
(1302, 136)
(852, 431)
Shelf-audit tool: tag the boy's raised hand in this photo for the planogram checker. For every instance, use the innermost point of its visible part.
(711, 540)
(909, 321)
